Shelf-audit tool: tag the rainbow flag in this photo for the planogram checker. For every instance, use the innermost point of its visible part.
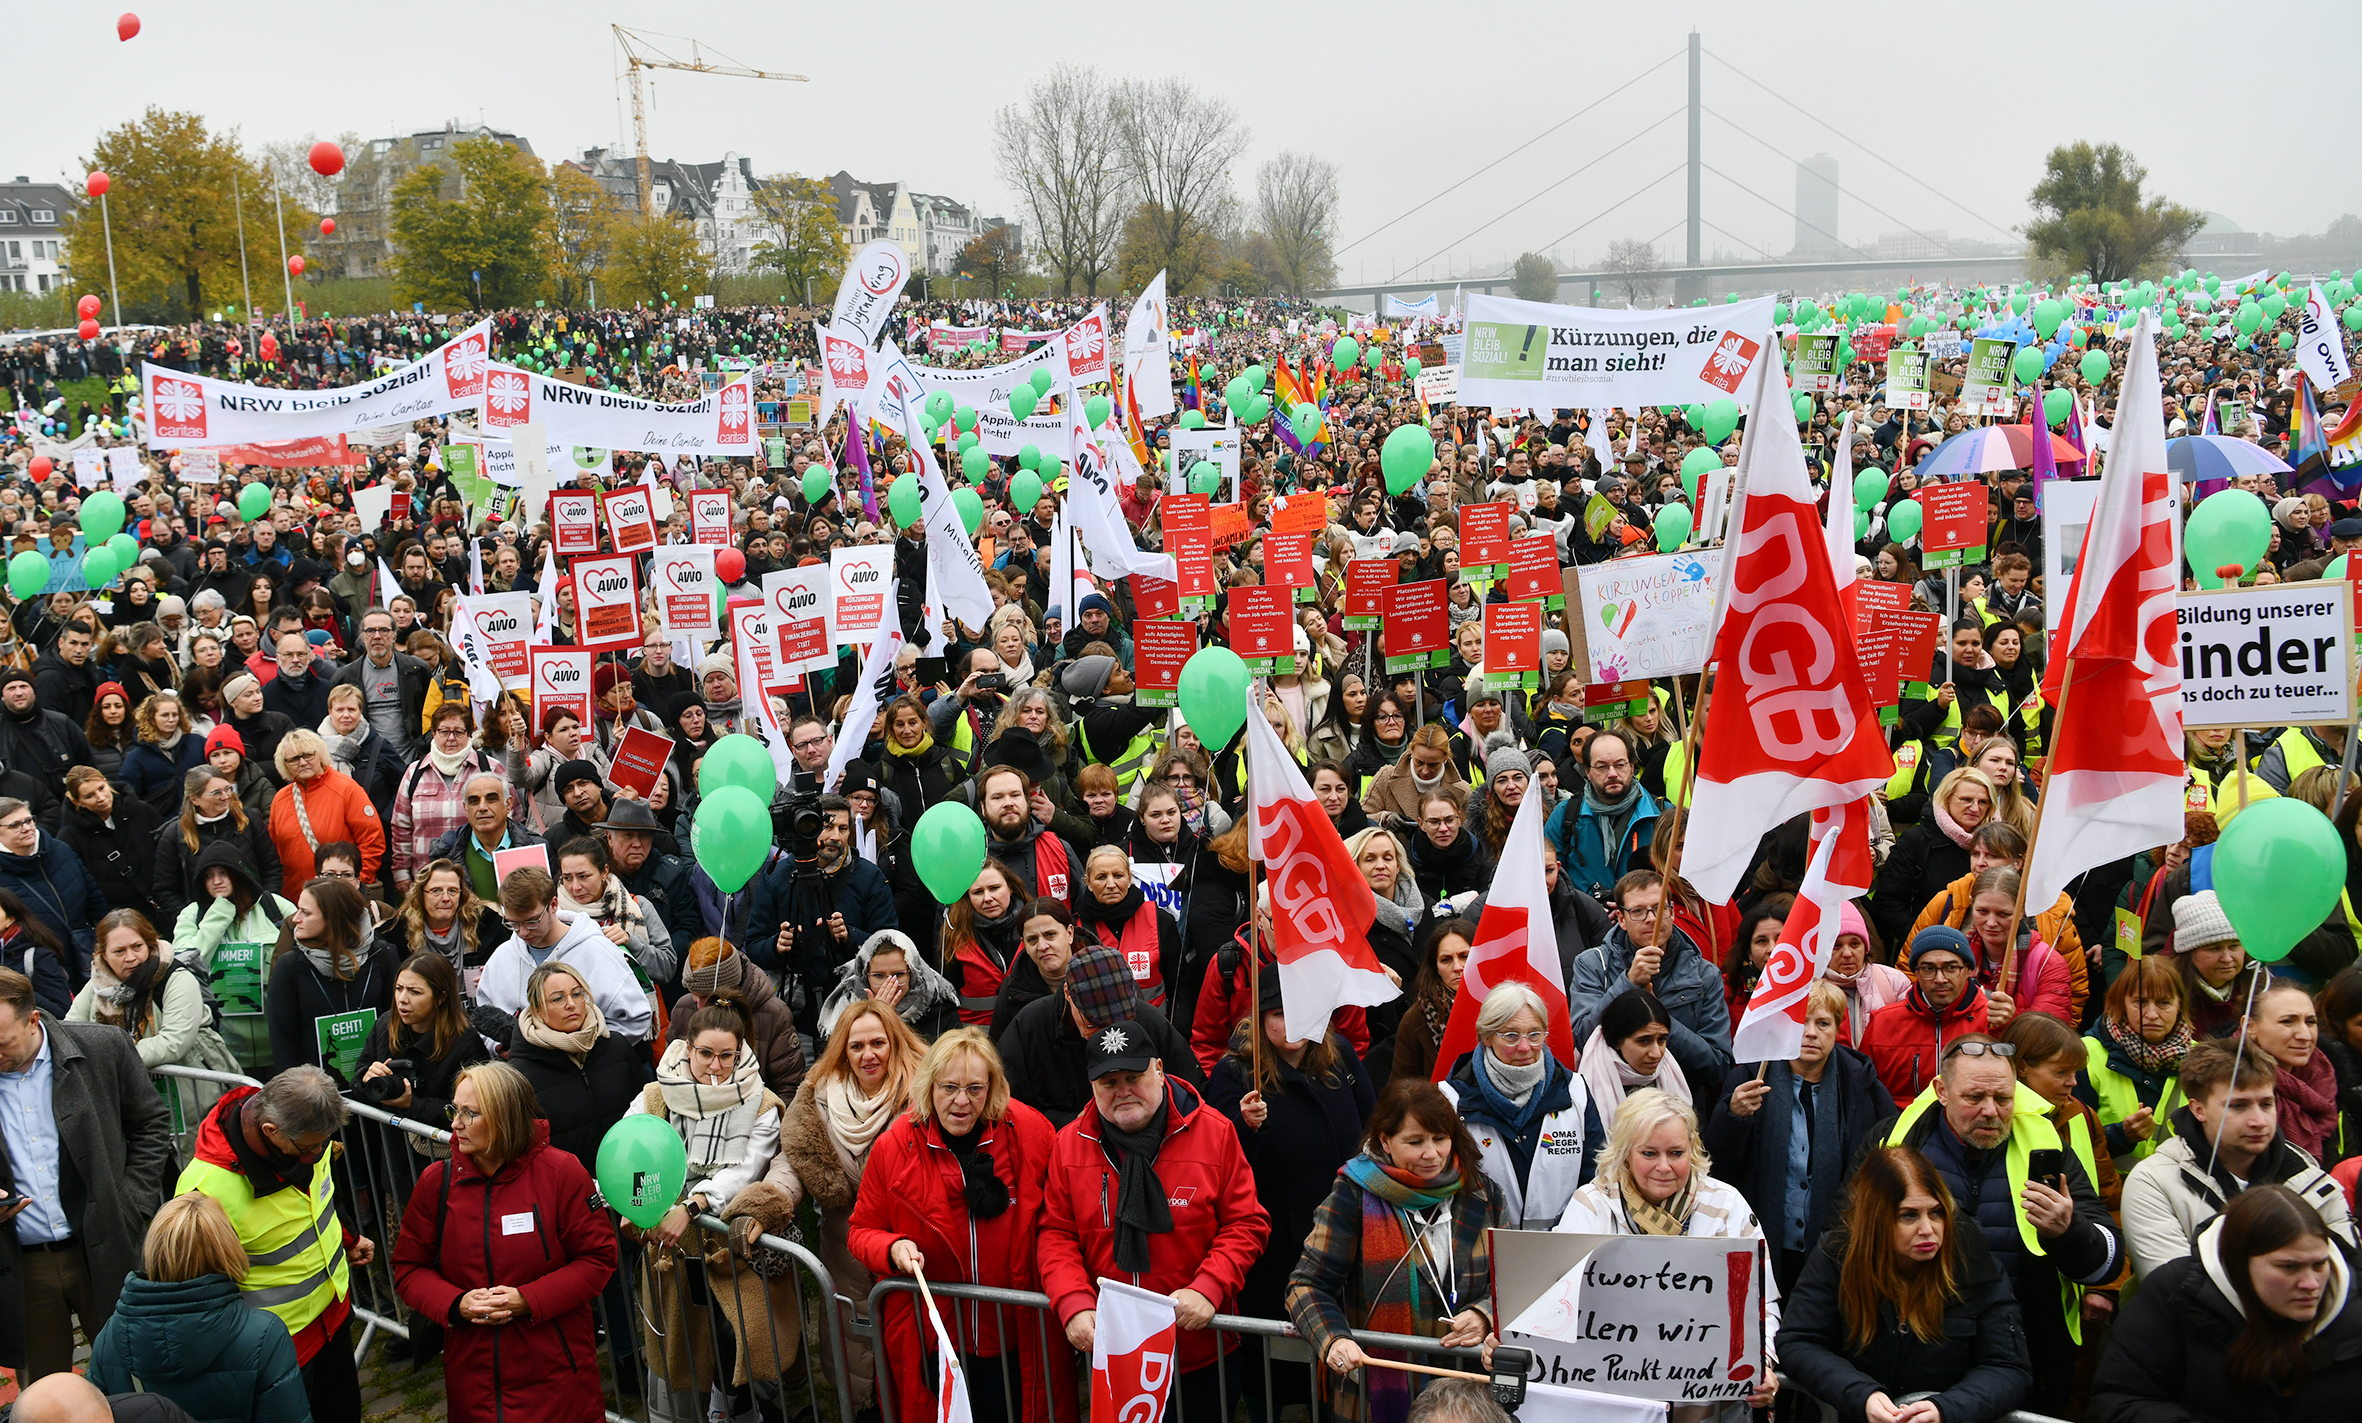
(1189, 391)
(2334, 481)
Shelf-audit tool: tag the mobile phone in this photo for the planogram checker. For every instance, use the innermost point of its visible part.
(2046, 1164)
(992, 682)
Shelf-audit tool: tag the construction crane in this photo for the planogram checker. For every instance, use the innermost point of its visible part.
(640, 52)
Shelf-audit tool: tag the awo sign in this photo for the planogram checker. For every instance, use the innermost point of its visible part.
(796, 602)
(685, 589)
(607, 601)
(503, 628)
(859, 577)
(631, 518)
(562, 678)
(709, 517)
(574, 521)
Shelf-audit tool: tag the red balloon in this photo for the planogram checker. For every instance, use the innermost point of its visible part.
(40, 468)
(97, 184)
(126, 25)
(88, 329)
(327, 227)
(87, 306)
(295, 265)
(327, 159)
(729, 564)
(269, 347)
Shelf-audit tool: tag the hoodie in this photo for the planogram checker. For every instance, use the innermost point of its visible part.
(613, 985)
(930, 1006)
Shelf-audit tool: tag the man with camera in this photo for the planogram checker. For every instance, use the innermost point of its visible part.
(817, 903)
(962, 718)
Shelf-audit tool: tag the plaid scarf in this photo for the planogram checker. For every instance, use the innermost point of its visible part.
(1393, 1287)
(2157, 1059)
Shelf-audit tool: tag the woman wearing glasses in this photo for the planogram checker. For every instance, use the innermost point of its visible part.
(1526, 1110)
(317, 805)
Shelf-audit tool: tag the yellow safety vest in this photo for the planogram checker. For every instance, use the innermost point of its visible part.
(1138, 755)
(2222, 802)
(1908, 756)
(2119, 1098)
(295, 1265)
(1676, 767)
(2296, 749)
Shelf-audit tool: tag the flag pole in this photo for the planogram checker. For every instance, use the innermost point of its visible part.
(1689, 768)
(2017, 908)
(1254, 940)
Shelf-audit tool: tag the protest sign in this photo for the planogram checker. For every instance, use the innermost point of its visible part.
(1676, 1318)
(1513, 645)
(796, 601)
(189, 409)
(1366, 581)
(721, 422)
(631, 518)
(497, 629)
(1439, 384)
(2067, 506)
(123, 463)
(1416, 634)
(574, 521)
(1533, 570)
(1956, 524)
(200, 466)
(1988, 371)
(1214, 443)
(859, 576)
(639, 760)
(1305, 512)
(1287, 563)
(688, 594)
(752, 638)
(520, 857)
(1906, 380)
(1154, 598)
(2276, 655)
(561, 678)
(607, 602)
(1261, 631)
(1159, 649)
(90, 468)
(1605, 701)
(1230, 524)
(1648, 617)
(340, 1038)
(1484, 542)
(1871, 343)
(709, 516)
(1916, 649)
(1537, 355)
(1816, 362)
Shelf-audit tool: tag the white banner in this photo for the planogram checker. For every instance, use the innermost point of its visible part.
(861, 593)
(687, 591)
(2320, 347)
(721, 423)
(850, 370)
(956, 572)
(877, 682)
(493, 635)
(1148, 364)
(187, 410)
(1540, 356)
(2276, 655)
(873, 279)
(1397, 306)
(1090, 496)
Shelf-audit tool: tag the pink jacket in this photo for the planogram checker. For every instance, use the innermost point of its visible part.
(2043, 983)
(1877, 986)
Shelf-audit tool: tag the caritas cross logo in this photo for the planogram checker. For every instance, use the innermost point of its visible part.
(508, 398)
(734, 411)
(848, 365)
(1086, 349)
(464, 366)
(1729, 363)
(180, 409)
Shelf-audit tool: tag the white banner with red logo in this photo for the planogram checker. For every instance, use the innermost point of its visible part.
(493, 635)
(1134, 1357)
(561, 678)
(721, 423)
(688, 594)
(631, 517)
(850, 369)
(1772, 1028)
(796, 601)
(873, 279)
(861, 593)
(1516, 942)
(184, 410)
(709, 516)
(758, 718)
(1536, 355)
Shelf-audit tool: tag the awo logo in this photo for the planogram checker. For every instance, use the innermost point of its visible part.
(684, 576)
(608, 583)
(465, 363)
(498, 625)
(1733, 356)
(508, 398)
(797, 602)
(560, 675)
(856, 575)
(734, 412)
(180, 409)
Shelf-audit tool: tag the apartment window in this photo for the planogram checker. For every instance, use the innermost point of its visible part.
(44, 281)
(7, 217)
(44, 215)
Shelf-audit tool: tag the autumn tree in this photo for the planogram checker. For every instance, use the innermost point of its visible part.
(173, 209)
(1534, 278)
(803, 241)
(474, 233)
(1057, 149)
(2094, 220)
(1176, 146)
(991, 257)
(581, 230)
(657, 260)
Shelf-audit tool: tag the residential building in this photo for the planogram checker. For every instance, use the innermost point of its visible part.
(716, 198)
(32, 235)
(363, 243)
(946, 227)
(870, 211)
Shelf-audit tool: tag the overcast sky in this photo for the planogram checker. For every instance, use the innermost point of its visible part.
(1406, 98)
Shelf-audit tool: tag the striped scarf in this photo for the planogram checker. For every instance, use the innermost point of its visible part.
(1394, 1288)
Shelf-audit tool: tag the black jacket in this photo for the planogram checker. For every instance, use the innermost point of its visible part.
(857, 890)
(1923, 863)
(121, 856)
(1461, 866)
(431, 1078)
(1751, 1152)
(261, 733)
(62, 687)
(412, 679)
(1978, 1371)
(176, 879)
(580, 1103)
(299, 996)
(1315, 1127)
(305, 705)
(1047, 1058)
(44, 745)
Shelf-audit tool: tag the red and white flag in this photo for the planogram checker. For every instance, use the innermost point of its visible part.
(1132, 1351)
(1839, 529)
(1515, 943)
(1321, 907)
(951, 1404)
(1789, 727)
(1772, 1029)
(2116, 772)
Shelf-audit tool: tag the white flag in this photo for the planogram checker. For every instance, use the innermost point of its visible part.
(757, 717)
(951, 1405)
(1132, 1353)
(1148, 366)
(546, 627)
(1090, 493)
(1839, 530)
(2320, 346)
(877, 671)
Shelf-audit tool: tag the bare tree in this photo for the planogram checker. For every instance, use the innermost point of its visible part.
(1176, 147)
(1296, 208)
(1057, 149)
(1636, 265)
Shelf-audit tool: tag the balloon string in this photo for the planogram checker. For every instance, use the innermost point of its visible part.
(2214, 1143)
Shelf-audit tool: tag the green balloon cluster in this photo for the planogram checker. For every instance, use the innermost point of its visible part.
(731, 835)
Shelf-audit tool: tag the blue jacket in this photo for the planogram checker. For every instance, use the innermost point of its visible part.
(1687, 983)
(858, 891)
(1574, 830)
(196, 1343)
(156, 775)
(61, 893)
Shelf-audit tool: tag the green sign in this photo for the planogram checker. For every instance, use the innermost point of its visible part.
(1505, 350)
(1987, 381)
(238, 977)
(1906, 380)
(341, 1037)
(1816, 361)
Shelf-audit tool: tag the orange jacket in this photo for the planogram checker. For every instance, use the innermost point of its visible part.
(338, 810)
(2055, 926)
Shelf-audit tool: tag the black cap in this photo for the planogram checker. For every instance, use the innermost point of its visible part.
(1121, 1046)
(2346, 529)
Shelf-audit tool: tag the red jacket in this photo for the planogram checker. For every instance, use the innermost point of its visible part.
(1220, 1004)
(912, 1189)
(1905, 1040)
(1219, 1227)
(339, 810)
(530, 1227)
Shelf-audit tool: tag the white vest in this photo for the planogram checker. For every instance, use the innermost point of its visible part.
(1537, 1202)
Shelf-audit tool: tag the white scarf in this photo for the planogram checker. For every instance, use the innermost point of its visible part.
(716, 1123)
(1611, 1079)
(449, 766)
(854, 1121)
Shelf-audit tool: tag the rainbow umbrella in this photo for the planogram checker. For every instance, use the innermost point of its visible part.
(2194, 458)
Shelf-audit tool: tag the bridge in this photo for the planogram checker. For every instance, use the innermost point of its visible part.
(1769, 274)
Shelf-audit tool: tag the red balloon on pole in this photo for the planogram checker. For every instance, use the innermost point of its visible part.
(88, 329)
(295, 265)
(729, 564)
(126, 25)
(88, 305)
(39, 468)
(97, 184)
(327, 227)
(327, 159)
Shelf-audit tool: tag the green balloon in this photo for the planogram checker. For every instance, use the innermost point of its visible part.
(969, 505)
(1904, 519)
(947, 846)
(1722, 417)
(1411, 368)
(126, 550)
(939, 406)
(1869, 488)
(2226, 532)
(2094, 367)
(1306, 424)
(731, 835)
(2279, 869)
(1030, 458)
(1672, 527)
(1373, 359)
(1695, 467)
(738, 760)
(99, 567)
(254, 501)
(1213, 695)
(28, 574)
(1022, 401)
(2055, 405)
(102, 515)
(815, 485)
(1256, 410)
(1694, 416)
(1257, 377)
(1804, 408)
(1095, 410)
(1861, 524)
(2273, 306)
(968, 441)
(2286, 340)
(1025, 490)
(2028, 365)
(1041, 380)
(975, 464)
(643, 1168)
(1193, 420)
(1235, 394)
(1205, 477)
(1405, 458)
(965, 417)
(1345, 353)
(902, 501)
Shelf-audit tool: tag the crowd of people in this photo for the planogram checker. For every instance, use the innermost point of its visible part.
(252, 822)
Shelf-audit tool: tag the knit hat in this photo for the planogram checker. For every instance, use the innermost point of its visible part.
(1849, 921)
(857, 777)
(15, 674)
(105, 687)
(604, 677)
(728, 971)
(1100, 985)
(1508, 758)
(715, 662)
(2199, 920)
(237, 687)
(1087, 676)
(572, 771)
(1554, 641)
(1941, 939)
(1094, 602)
(1405, 543)
(219, 737)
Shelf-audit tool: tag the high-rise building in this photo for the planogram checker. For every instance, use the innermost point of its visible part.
(1816, 204)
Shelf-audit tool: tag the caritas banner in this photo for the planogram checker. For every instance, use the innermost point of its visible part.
(721, 423)
(1540, 356)
(1132, 1354)
(186, 410)
(1078, 357)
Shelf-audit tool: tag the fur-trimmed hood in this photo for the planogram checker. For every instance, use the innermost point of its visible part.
(929, 993)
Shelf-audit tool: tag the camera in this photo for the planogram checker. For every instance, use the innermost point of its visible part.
(381, 1090)
(803, 821)
(992, 682)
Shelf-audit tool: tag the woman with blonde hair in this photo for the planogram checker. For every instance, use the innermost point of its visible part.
(953, 1188)
(182, 1329)
(136, 985)
(319, 805)
(168, 750)
(441, 915)
(1929, 856)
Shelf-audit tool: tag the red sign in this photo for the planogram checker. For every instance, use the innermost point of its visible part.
(401, 506)
(1918, 642)
(1287, 561)
(607, 601)
(1415, 619)
(1955, 518)
(574, 519)
(1159, 650)
(631, 518)
(1727, 366)
(1880, 649)
(1153, 598)
(1513, 641)
(1303, 513)
(1615, 694)
(1871, 342)
(316, 452)
(1185, 515)
(1261, 629)
(709, 516)
(1484, 534)
(1872, 598)
(1366, 581)
(1533, 569)
(1196, 565)
(639, 760)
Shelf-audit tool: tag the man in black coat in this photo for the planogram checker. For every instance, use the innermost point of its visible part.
(807, 919)
(393, 684)
(1045, 1050)
(65, 679)
(40, 743)
(631, 831)
(300, 691)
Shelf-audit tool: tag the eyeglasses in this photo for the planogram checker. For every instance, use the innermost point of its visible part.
(22, 822)
(461, 1116)
(1522, 1039)
(809, 743)
(577, 995)
(956, 1091)
(1641, 911)
(1390, 716)
(519, 926)
(339, 874)
(1940, 970)
(1979, 1050)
